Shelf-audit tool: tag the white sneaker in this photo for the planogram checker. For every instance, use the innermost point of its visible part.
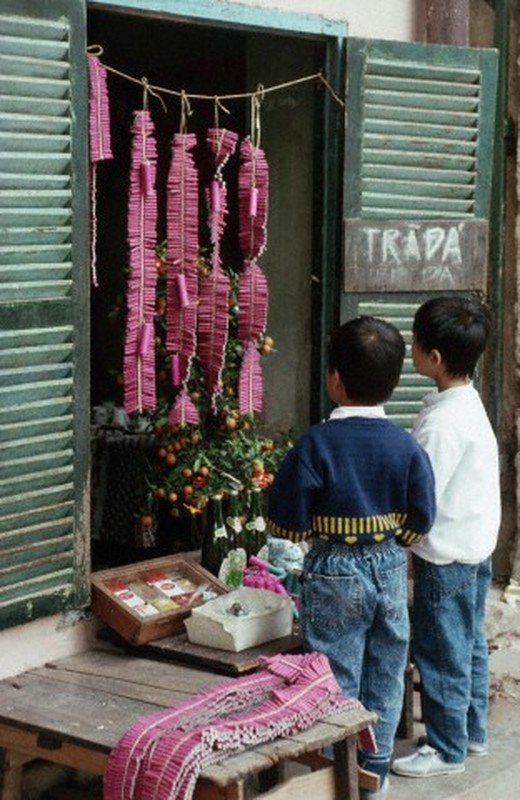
(473, 749)
(477, 749)
(425, 763)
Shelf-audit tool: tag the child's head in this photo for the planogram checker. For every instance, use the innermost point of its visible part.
(457, 328)
(367, 354)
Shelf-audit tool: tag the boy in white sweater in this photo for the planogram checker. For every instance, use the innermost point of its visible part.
(452, 566)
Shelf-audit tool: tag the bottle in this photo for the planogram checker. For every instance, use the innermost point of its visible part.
(255, 527)
(233, 521)
(215, 544)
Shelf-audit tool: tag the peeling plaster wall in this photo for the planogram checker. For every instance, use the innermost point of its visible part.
(506, 560)
(507, 556)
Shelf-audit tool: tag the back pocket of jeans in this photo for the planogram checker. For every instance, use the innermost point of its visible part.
(335, 601)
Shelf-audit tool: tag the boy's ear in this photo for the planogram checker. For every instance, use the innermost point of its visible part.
(334, 383)
(435, 357)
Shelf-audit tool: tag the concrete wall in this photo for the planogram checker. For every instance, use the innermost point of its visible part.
(376, 19)
(506, 561)
(28, 646)
(288, 141)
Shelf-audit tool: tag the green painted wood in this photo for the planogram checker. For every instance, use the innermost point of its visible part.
(44, 325)
(220, 12)
(419, 110)
(326, 287)
(418, 146)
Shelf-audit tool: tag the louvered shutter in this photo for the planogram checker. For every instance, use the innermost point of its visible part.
(44, 429)
(419, 145)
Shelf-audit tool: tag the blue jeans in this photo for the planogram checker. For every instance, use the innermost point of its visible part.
(354, 610)
(451, 654)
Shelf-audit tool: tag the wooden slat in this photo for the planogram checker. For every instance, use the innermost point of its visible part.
(58, 125)
(44, 514)
(117, 664)
(30, 142)
(13, 24)
(41, 106)
(71, 755)
(74, 710)
(406, 83)
(426, 70)
(46, 245)
(178, 648)
(423, 129)
(17, 64)
(419, 110)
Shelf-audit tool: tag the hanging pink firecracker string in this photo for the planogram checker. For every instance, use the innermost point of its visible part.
(100, 148)
(182, 220)
(253, 186)
(253, 182)
(252, 302)
(183, 412)
(214, 288)
(250, 383)
(253, 189)
(139, 355)
(213, 328)
(99, 113)
(221, 144)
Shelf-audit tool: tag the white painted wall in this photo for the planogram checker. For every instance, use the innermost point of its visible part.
(401, 20)
(31, 645)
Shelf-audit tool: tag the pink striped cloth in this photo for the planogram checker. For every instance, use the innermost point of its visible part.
(162, 755)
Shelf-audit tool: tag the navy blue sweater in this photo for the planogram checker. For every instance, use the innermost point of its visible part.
(356, 480)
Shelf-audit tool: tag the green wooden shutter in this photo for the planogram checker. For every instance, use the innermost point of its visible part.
(418, 146)
(44, 424)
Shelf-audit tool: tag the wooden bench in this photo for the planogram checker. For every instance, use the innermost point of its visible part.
(73, 711)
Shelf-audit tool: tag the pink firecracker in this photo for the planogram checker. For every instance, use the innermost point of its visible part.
(182, 220)
(139, 351)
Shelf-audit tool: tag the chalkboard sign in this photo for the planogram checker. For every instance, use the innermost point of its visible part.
(415, 256)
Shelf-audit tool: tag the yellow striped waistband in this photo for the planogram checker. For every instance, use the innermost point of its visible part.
(357, 526)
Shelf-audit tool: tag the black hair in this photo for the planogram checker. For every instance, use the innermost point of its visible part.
(458, 327)
(368, 354)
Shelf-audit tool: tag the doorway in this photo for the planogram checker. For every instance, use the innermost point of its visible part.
(209, 61)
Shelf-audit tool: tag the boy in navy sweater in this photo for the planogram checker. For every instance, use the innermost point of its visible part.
(359, 488)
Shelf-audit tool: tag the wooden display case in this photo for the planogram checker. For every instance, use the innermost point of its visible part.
(149, 600)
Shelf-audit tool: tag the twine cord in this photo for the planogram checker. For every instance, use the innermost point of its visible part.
(157, 90)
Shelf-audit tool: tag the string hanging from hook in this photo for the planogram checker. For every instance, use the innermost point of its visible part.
(158, 90)
(186, 111)
(256, 102)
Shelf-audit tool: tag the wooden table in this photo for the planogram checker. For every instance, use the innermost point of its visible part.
(73, 711)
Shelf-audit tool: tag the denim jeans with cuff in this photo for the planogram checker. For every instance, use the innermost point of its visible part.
(354, 610)
(451, 654)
